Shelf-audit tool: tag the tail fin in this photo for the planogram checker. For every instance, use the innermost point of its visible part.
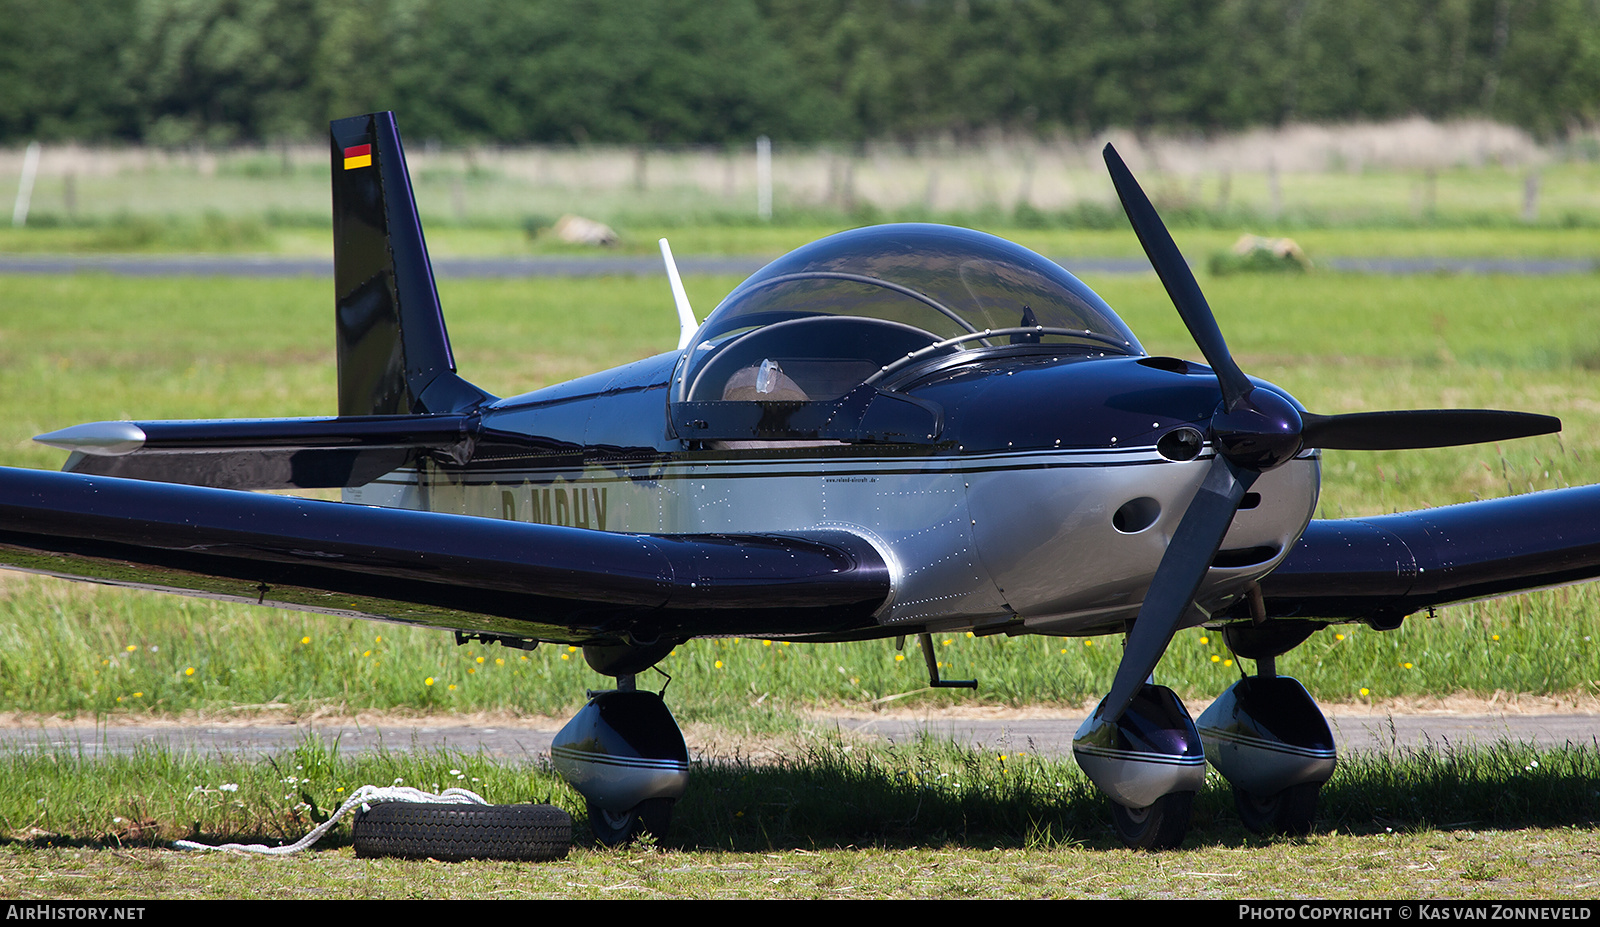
(394, 352)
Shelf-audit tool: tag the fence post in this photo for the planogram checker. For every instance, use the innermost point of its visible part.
(764, 178)
(30, 170)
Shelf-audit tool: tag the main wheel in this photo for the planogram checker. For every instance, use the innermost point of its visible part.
(652, 816)
(1161, 826)
(1290, 812)
(454, 832)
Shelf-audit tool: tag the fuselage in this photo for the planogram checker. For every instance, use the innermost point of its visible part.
(1043, 503)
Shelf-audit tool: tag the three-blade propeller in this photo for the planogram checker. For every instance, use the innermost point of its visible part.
(1253, 430)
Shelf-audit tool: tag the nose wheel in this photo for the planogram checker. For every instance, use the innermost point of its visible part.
(1268, 738)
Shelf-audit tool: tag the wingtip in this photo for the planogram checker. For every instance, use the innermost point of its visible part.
(102, 439)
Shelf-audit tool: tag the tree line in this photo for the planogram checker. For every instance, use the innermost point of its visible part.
(181, 72)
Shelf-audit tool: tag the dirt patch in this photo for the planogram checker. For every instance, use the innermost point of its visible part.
(1500, 703)
(279, 716)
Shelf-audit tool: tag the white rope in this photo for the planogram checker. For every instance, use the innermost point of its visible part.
(366, 797)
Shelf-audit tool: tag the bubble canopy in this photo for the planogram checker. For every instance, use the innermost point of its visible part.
(843, 308)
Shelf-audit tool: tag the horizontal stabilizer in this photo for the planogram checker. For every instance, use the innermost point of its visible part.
(289, 453)
(543, 582)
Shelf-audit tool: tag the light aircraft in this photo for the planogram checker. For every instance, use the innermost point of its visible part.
(891, 432)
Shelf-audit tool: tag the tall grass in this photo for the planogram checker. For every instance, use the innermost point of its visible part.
(154, 795)
(1404, 174)
(83, 651)
(822, 792)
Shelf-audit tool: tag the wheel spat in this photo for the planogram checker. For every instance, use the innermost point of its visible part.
(1253, 430)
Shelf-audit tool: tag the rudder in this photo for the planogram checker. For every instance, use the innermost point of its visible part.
(393, 350)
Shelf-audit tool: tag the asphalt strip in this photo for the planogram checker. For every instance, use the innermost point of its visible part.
(1051, 735)
(645, 265)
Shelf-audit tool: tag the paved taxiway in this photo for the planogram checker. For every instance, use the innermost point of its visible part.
(1051, 736)
(182, 265)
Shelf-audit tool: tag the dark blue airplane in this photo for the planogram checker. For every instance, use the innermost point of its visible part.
(892, 432)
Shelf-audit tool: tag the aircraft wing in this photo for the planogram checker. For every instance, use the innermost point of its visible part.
(1383, 568)
(483, 575)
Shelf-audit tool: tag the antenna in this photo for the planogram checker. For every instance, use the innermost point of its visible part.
(686, 322)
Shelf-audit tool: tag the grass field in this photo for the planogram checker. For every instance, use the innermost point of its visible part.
(88, 347)
(832, 820)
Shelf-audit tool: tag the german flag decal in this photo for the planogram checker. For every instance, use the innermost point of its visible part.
(357, 156)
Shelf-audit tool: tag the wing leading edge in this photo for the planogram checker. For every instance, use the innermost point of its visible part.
(1380, 569)
(533, 581)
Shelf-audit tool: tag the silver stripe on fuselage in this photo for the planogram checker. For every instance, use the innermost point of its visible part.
(975, 538)
(746, 465)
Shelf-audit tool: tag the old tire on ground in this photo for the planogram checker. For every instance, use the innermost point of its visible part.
(454, 832)
(652, 816)
(1161, 826)
(1290, 812)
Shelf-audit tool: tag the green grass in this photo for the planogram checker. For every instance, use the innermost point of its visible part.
(826, 819)
(88, 651)
(1555, 865)
(497, 203)
(216, 234)
(819, 791)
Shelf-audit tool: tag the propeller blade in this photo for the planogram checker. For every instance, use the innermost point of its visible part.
(1179, 280)
(1183, 567)
(1393, 431)
(1254, 430)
